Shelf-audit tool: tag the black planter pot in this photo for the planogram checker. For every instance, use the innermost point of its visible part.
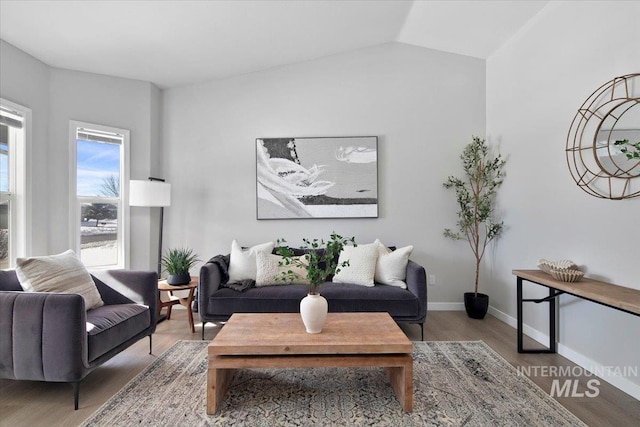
(179, 279)
(476, 304)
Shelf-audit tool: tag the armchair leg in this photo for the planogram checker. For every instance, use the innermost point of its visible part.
(422, 331)
(150, 343)
(203, 323)
(76, 394)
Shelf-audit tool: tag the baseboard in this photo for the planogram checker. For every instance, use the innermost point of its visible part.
(534, 334)
(445, 306)
(579, 359)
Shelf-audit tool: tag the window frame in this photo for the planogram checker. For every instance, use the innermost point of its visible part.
(19, 191)
(75, 201)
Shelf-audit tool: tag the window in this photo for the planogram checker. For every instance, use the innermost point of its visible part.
(99, 181)
(14, 120)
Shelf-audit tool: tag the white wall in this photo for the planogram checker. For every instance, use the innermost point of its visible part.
(25, 81)
(109, 101)
(535, 85)
(57, 96)
(138, 233)
(423, 104)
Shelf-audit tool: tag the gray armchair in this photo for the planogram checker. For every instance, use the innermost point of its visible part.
(49, 337)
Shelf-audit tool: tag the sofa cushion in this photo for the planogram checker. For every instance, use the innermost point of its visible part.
(391, 266)
(242, 263)
(349, 297)
(362, 264)
(342, 297)
(111, 325)
(9, 281)
(266, 299)
(303, 251)
(62, 273)
(269, 271)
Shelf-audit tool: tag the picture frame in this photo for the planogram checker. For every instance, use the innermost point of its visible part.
(317, 177)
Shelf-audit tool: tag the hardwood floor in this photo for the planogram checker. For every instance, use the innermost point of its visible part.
(24, 403)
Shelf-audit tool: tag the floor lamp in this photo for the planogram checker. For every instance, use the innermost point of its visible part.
(152, 193)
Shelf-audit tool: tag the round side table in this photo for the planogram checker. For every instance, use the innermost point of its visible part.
(163, 286)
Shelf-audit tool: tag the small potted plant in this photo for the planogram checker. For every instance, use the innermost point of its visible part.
(320, 260)
(475, 194)
(178, 262)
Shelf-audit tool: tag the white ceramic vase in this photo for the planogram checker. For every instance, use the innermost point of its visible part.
(313, 310)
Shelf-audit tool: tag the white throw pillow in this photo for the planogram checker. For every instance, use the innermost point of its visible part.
(62, 274)
(242, 264)
(268, 268)
(391, 268)
(362, 265)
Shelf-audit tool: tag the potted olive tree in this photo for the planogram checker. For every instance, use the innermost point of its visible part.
(475, 194)
(178, 262)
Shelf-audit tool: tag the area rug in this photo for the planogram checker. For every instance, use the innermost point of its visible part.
(461, 383)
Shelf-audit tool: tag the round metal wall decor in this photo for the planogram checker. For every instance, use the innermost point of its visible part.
(603, 145)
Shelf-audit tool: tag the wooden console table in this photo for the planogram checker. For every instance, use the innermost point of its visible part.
(608, 294)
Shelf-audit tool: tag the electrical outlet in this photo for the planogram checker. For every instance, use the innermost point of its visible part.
(432, 279)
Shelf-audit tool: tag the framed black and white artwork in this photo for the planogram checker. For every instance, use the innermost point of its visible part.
(327, 177)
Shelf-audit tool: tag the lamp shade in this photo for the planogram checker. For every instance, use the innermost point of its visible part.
(149, 193)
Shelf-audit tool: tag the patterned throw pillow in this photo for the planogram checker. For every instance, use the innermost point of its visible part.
(63, 274)
(268, 269)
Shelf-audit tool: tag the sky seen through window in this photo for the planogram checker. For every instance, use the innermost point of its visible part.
(96, 162)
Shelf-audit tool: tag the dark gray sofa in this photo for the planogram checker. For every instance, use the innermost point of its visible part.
(217, 303)
(50, 337)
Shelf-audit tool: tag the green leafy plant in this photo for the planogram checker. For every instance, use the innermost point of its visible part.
(320, 259)
(179, 261)
(475, 194)
(631, 150)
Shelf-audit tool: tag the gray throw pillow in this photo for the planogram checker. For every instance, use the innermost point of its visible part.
(63, 274)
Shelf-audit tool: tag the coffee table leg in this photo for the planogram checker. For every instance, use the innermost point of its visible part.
(401, 378)
(218, 381)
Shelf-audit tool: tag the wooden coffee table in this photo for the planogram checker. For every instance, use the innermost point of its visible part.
(279, 340)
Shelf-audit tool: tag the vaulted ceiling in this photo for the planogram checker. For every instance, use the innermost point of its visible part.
(176, 43)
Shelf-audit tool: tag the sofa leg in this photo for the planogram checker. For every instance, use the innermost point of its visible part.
(203, 323)
(150, 343)
(422, 331)
(76, 394)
